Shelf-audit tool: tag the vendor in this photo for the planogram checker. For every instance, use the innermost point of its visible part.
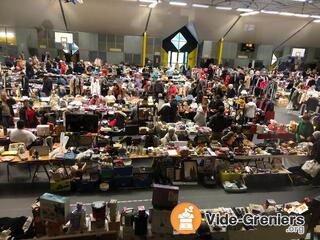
(229, 139)
(110, 98)
(304, 129)
(95, 100)
(28, 115)
(171, 136)
(19, 135)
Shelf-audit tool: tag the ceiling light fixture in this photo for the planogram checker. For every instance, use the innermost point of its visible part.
(148, 1)
(244, 10)
(178, 3)
(224, 8)
(269, 12)
(143, 5)
(153, 5)
(315, 16)
(286, 14)
(302, 15)
(316, 21)
(200, 5)
(249, 13)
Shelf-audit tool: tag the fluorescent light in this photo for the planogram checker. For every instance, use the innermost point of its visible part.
(302, 15)
(316, 21)
(153, 5)
(244, 10)
(200, 5)
(315, 16)
(147, 1)
(143, 5)
(224, 8)
(269, 12)
(299, 0)
(249, 13)
(286, 14)
(178, 3)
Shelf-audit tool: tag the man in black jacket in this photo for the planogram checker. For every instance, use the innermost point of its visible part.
(47, 86)
(218, 122)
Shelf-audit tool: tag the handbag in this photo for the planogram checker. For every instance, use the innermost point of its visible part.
(311, 167)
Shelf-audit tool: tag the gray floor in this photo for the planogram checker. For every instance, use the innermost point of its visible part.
(17, 196)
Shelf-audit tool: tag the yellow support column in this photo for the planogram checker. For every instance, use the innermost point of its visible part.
(220, 51)
(144, 49)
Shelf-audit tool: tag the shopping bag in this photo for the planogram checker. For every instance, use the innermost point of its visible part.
(311, 167)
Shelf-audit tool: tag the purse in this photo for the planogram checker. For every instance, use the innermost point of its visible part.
(311, 167)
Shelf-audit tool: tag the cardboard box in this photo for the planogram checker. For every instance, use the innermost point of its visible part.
(60, 186)
(165, 196)
(160, 223)
(54, 208)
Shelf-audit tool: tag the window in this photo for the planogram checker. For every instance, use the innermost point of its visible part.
(177, 57)
(179, 41)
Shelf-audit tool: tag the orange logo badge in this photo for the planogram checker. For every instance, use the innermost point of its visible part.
(185, 218)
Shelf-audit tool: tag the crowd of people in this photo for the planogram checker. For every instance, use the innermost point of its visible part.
(216, 97)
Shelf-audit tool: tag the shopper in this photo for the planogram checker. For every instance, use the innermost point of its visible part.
(250, 110)
(19, 135)
(165, 112)
(231, 93)
(28, 115)
(304, 129)
(6, 110)
(201, 117)
(218, 123)
(47, 86)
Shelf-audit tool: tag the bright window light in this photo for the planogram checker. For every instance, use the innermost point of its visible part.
(200, 5)
(316, 21)
(224, 8)
(178, 3)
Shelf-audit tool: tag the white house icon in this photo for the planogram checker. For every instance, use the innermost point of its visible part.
(186, 219)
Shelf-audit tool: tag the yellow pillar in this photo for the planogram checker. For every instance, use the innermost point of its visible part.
(144, 49)
(220, 50)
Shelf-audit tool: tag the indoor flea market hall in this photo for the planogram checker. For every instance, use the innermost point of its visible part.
(160, 119)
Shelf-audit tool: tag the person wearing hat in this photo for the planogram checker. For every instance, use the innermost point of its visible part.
(28, 115)
(304, 129)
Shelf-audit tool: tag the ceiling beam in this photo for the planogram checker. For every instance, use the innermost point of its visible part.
(63, 15)
(292, 35)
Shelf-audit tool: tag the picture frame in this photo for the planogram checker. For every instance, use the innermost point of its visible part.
(190, 171)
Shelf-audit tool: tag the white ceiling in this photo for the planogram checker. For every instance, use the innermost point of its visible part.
(127, 17)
